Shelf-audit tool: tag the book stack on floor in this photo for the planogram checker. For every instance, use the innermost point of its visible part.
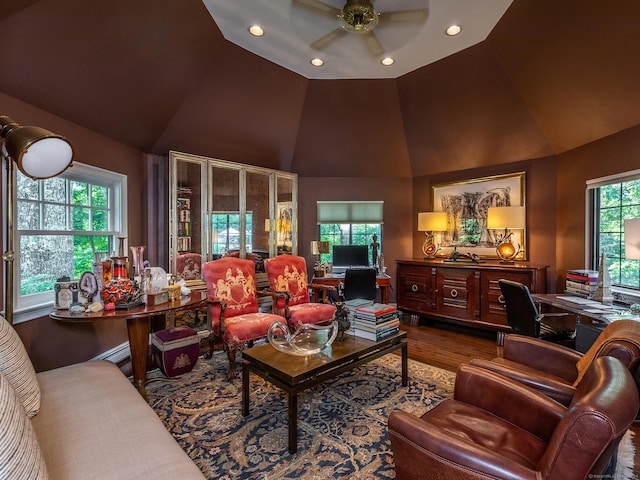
(377, 321)
(582, 283)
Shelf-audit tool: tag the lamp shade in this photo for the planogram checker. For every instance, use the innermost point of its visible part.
(432, 221)
(632, 239)
(38, 152)
(506, 217)
(318, 248)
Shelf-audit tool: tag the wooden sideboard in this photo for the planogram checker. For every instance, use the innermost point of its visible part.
(465, 293)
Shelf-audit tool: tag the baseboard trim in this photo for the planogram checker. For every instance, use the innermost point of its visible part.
(117, 354)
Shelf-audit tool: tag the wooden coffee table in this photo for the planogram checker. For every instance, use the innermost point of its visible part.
(294, 374)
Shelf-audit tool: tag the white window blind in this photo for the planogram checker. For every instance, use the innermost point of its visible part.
(350, 212)
(617, 178)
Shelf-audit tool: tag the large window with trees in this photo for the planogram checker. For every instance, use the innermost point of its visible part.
(350, 223)
(615, 199)
(61, 224)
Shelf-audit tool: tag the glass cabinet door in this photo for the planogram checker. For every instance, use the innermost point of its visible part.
(220, 208)
(224, 211)
(187, 218)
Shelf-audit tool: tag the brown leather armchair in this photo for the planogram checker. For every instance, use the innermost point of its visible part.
(497, 428)
(556, 370)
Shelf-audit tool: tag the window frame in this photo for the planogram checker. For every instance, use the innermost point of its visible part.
(622, 292)
(32, 306)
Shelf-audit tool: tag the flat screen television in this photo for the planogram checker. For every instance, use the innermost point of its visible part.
(351, 255)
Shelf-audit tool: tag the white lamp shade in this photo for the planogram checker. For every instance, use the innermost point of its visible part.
(632, 239)
(38, 152)
(506, 217)
(432, 221)
(318, 248)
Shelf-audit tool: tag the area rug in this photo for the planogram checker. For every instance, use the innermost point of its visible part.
(342, 423)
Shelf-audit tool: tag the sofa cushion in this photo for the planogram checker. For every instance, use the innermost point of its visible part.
(20, 454)
(17, 367)
(93, 423)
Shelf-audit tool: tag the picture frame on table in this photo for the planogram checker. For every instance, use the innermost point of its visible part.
(466, 204)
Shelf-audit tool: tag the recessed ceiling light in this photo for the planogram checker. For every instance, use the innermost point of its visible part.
(256, 30)
(387, 61)
(317, 62)
(453, 30)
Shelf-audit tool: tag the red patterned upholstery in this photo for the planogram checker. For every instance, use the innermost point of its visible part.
(188, 266)
(231, 285)
(288, 273)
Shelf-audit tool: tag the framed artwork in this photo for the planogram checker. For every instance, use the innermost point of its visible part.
(284, 226)
(466, 204)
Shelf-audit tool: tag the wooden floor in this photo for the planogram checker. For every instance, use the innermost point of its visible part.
(447, 346)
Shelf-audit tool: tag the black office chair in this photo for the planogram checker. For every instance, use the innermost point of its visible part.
(359, 283)
(523, 315)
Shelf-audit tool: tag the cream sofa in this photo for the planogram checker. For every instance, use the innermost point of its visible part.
(83, 421)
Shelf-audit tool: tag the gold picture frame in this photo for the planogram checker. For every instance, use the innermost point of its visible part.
(466, 204)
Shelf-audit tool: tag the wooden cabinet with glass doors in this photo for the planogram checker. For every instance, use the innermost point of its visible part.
(219, 208)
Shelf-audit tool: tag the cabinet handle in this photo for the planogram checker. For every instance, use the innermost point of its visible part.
(501, 299)
(454, 293)
(414, 288)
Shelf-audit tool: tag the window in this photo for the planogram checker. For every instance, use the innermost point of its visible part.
(350, 223)
(61, 223)
(613, 200)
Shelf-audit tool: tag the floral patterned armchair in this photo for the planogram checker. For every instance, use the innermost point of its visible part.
(233, 304)
(288, 273)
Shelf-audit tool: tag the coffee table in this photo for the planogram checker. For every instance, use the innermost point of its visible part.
(294, 374)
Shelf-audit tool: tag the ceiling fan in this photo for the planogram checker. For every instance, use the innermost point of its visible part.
(359, 17)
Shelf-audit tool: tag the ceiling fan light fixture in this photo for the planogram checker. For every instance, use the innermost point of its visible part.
(453, 30)
(387, 61)
(316, 62)
(256, 30)
(359, 16)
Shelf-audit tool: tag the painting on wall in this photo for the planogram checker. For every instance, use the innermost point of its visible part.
(466, 204)
(285, 226)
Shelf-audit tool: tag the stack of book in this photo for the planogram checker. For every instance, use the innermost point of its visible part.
(376, 321)
(582, 283)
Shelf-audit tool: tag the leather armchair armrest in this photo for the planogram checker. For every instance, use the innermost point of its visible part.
(507, 399)
(541, 355)
(419, 448)
(548, 385)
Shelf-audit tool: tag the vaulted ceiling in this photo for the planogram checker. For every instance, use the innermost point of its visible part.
(158, 75)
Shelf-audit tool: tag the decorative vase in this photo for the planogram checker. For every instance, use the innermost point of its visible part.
(120, 291)
(137, 255)
(307, 339)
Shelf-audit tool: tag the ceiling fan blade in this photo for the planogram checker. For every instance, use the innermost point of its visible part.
(329, 38)
(373, 43)
(405, 16)
(317, 6)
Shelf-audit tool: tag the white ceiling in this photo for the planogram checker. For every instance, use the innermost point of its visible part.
(290, 29)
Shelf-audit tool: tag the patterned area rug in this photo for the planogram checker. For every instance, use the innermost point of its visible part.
(342, 424)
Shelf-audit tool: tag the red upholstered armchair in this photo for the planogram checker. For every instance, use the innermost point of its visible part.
(233, 304)
(288, 273)
(500, 429)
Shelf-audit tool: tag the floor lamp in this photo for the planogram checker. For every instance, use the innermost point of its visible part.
(39, 154)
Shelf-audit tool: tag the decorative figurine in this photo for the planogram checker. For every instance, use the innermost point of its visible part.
(342, 317)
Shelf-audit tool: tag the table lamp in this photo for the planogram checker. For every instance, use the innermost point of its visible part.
(507, 218)
(430, 222)
(318, 248)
